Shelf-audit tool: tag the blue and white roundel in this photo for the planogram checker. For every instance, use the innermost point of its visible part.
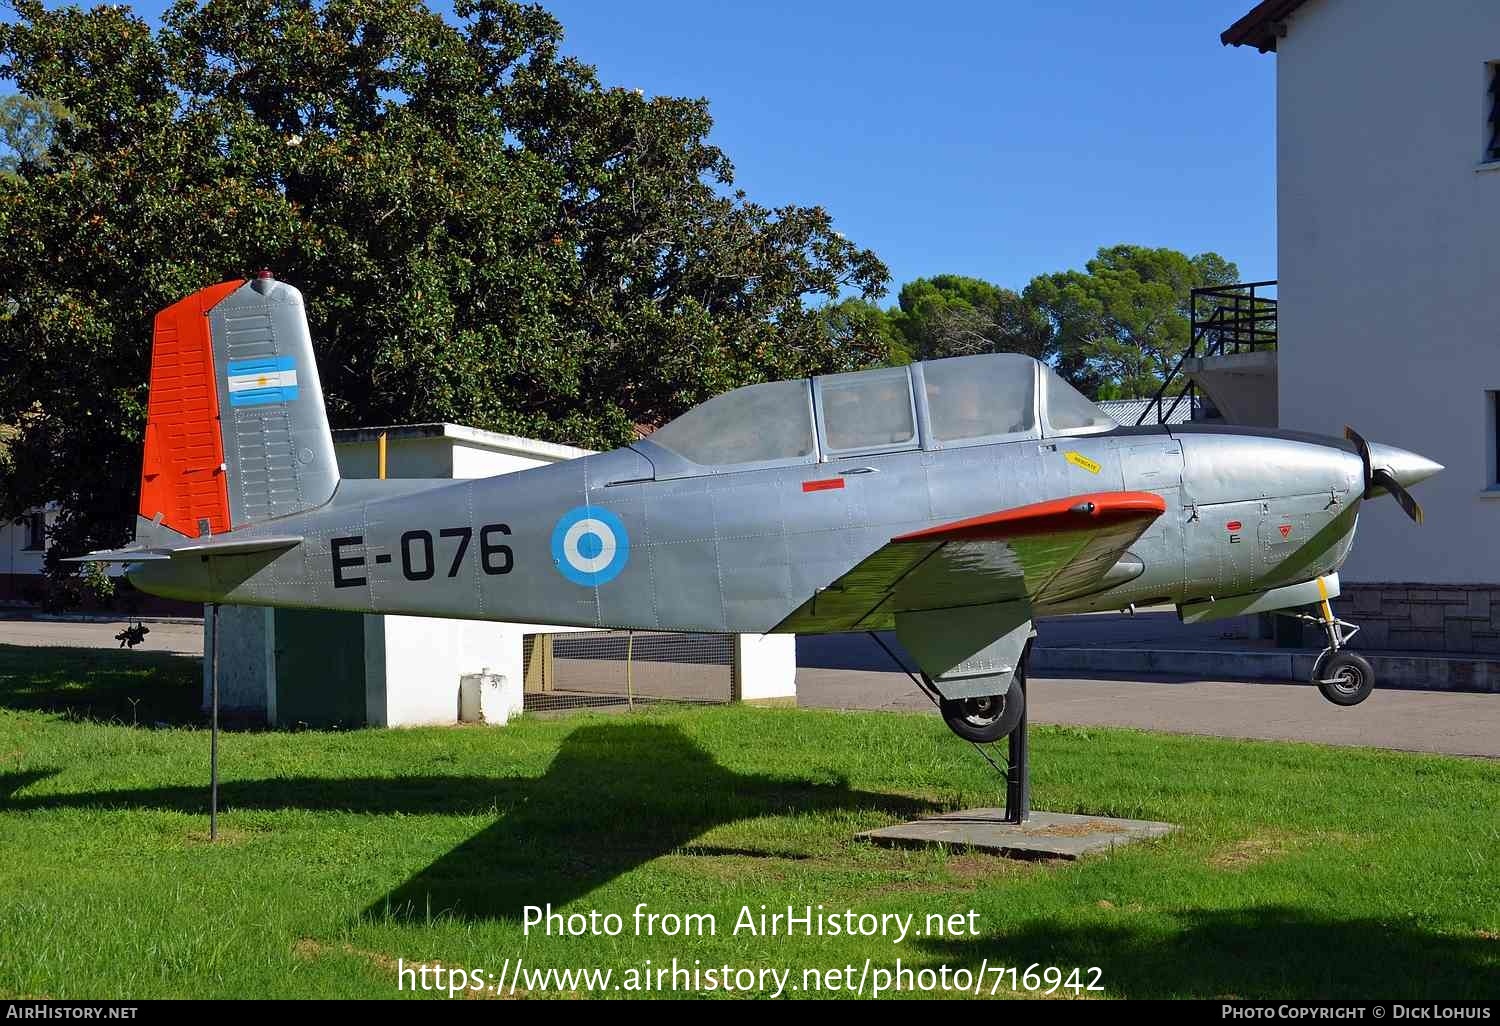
(589, 545)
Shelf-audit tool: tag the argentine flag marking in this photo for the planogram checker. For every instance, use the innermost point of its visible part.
(271, 379)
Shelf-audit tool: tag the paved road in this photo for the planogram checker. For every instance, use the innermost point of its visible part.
(177, 638)
(1456, 724)
(1420, 721)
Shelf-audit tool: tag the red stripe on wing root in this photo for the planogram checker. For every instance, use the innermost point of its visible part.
(1076, 512)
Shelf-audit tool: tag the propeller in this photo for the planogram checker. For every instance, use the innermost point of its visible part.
(1377, 478)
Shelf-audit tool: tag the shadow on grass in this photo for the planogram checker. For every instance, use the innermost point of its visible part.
(1266, 952)
(619, 795)
(615, 796)
(141, 688)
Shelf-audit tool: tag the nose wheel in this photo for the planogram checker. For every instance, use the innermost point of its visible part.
(1344, 677)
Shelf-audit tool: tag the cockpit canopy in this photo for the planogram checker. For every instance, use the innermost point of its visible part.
(936, 404)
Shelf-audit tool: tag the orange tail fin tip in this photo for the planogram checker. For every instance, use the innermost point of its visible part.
(182, 473)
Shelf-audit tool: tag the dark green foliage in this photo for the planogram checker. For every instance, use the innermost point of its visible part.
(953, 315)
(483, 231)
(1114, 329)
(1120, 325)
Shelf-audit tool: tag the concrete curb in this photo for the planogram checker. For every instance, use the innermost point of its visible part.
(1392, 670)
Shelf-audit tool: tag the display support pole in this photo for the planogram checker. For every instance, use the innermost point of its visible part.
(1018, 765)
(213, 735)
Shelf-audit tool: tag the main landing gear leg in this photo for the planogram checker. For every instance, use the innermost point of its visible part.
(1007, 719)
(1343, 677)
(985, 720)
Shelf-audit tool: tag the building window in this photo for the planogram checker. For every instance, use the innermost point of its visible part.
(36, 531)
(1492, 147)
(1494, 418)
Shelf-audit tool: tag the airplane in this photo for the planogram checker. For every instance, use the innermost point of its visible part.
(952, 500)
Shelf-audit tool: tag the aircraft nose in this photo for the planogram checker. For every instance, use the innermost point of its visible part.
(1406, 467)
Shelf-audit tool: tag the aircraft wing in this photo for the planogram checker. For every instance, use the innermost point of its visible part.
(1041, 553)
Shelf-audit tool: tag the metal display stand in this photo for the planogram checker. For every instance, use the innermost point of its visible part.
(213, 735)
(1018, 762)
(1014, 831)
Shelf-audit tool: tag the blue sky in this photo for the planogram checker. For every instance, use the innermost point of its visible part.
(999, 139)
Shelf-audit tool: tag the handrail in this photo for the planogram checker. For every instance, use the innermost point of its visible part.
(1240, 321)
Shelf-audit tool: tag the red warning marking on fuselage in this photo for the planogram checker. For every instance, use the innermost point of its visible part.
(1286, 529)
(824, 485)
(1232, 526)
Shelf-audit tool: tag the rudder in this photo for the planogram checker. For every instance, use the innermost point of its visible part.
(236, 431)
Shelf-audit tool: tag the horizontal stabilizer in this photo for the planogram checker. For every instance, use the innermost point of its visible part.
(218, 545)
(125, 555)
(222, 545)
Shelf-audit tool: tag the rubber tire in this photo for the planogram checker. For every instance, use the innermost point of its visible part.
(956, 713)
(1349, 665)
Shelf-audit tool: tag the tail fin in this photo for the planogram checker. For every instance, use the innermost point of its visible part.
(236, 432)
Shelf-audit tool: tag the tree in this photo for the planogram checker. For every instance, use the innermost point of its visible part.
(26, 129)
(483, 231)
(1119, 326)
(954, 315)
(858, 324)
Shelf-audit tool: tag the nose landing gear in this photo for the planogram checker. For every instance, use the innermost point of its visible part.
(1343, 677)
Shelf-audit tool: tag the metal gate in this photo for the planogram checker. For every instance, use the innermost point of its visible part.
(626, 669)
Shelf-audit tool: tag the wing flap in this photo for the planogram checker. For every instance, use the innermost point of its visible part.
(1039, 553)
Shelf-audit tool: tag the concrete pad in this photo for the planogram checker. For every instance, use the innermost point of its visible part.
(1044, 835)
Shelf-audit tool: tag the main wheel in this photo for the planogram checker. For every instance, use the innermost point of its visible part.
(1345, 678)
(985, 719)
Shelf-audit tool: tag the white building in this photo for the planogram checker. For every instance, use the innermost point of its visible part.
(23, 547)
(1388, 211)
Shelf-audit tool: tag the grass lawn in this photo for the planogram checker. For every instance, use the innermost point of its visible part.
(1301, 871)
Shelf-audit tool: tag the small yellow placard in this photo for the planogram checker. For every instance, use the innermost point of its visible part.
(1078, 459)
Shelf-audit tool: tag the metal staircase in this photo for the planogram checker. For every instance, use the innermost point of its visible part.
(1226, 320)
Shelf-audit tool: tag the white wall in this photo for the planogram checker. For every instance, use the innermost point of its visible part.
(1389, 254)
(404, 457)
(765, 667)
(472, 461)
(413, 665)
(459, 452)
(18, 558)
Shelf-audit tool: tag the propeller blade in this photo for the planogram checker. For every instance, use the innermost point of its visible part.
(1364, 456)
(1383, 479)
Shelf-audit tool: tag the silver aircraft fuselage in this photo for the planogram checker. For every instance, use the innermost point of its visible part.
(1247, 511)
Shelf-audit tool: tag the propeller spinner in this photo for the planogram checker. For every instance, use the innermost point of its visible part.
(1403, 465)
